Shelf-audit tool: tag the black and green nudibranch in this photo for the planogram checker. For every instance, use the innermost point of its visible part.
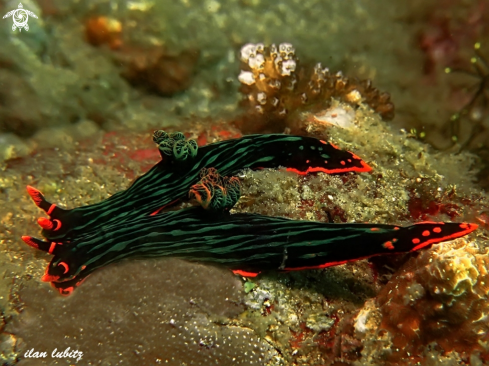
(131, 224)
(180, 167)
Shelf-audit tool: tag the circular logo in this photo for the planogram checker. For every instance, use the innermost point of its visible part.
(20, 18)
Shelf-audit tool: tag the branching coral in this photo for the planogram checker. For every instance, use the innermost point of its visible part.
(276, 86)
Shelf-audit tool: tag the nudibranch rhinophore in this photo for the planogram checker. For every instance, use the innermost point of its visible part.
(245, 243)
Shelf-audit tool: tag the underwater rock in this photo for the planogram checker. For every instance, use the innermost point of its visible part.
(12, 147)
(156, 69)
(20, 109)
(433, 310)
(439, 297)
(154, 312)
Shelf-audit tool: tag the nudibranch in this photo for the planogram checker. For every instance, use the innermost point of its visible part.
(245, 243)
(170, 179)
(248, 244)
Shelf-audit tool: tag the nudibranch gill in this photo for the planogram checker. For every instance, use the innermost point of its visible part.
(245, 243)
(180, 167)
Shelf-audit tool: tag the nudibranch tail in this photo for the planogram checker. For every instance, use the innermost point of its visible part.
(426, 233)
(387, 239)
(304, 155)
(343, 162)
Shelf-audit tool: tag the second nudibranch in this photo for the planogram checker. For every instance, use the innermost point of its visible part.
(182, 161)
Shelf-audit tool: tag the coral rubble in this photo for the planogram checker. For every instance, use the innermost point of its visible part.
(409, 182)
(439, 298)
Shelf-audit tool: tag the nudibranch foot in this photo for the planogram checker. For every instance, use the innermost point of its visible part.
(244, 273)
(66, 288)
